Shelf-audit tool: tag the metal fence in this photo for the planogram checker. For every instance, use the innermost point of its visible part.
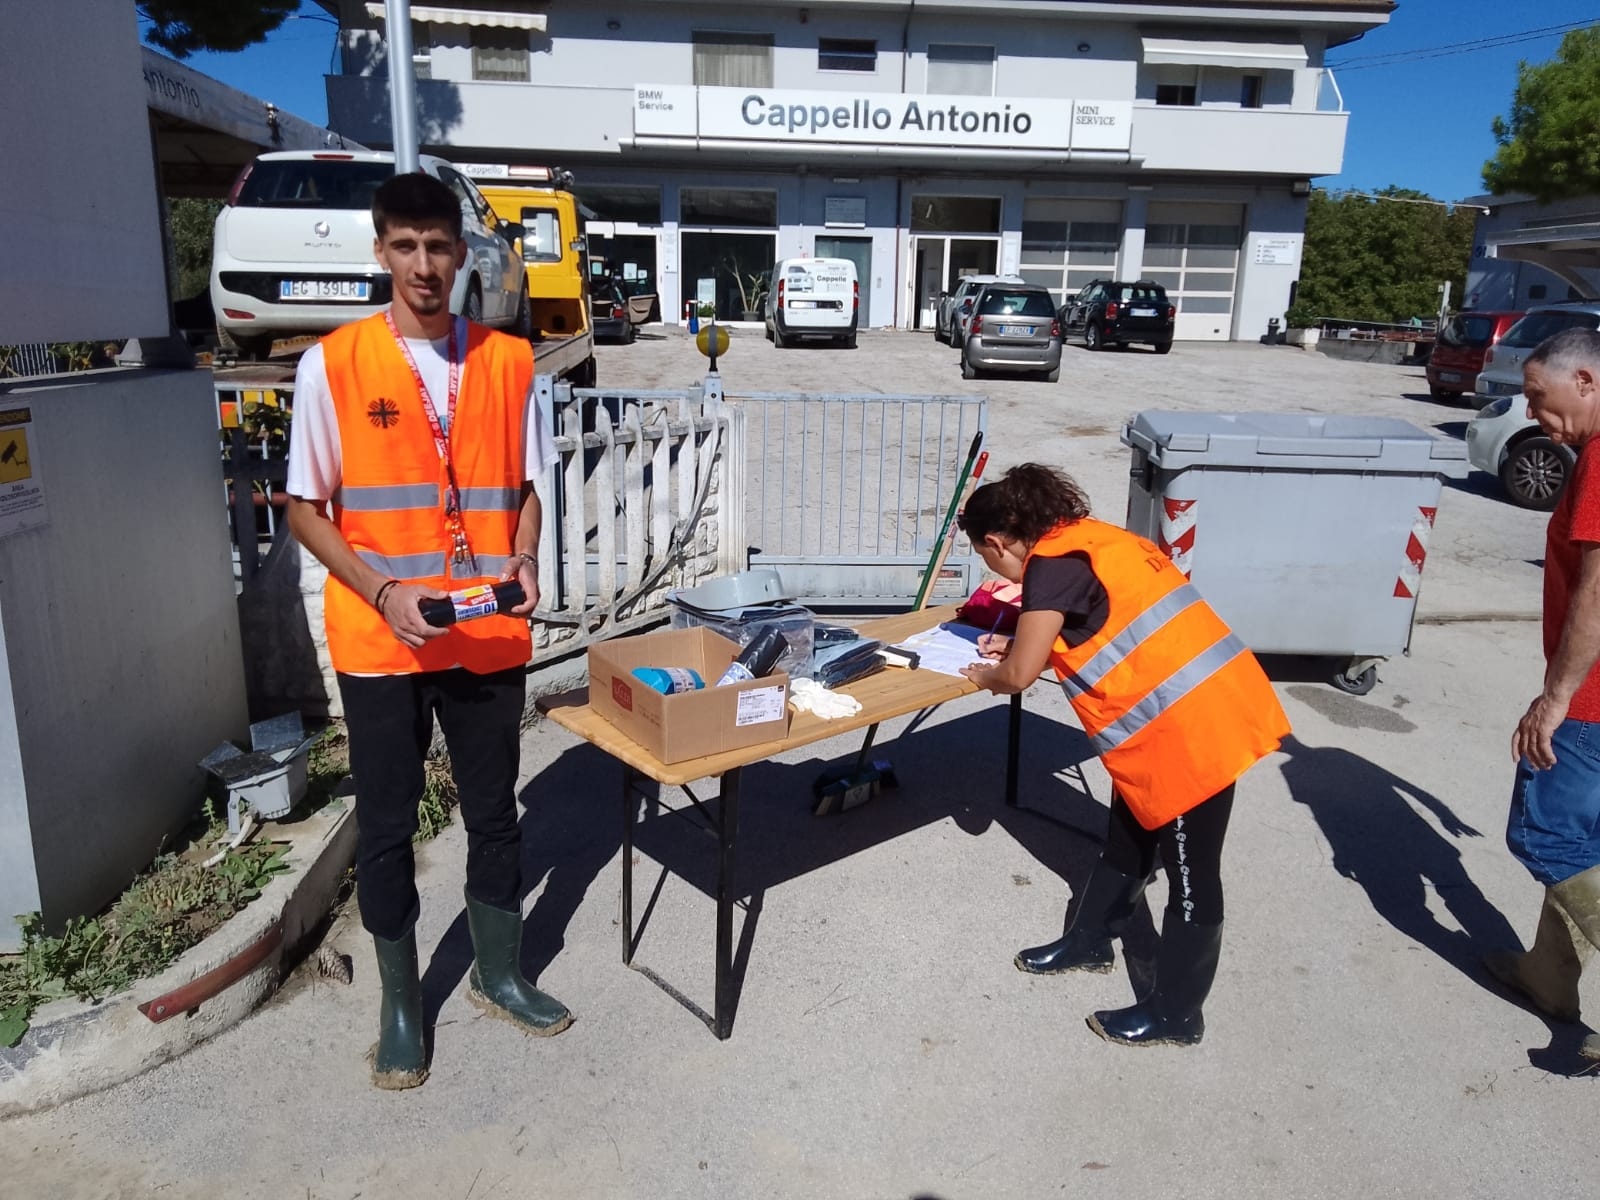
(846, 493)
(23, 361)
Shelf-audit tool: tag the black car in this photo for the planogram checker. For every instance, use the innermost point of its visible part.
(1113, 312)
(608, 311)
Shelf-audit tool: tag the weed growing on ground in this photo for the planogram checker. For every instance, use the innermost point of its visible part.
(178, 900)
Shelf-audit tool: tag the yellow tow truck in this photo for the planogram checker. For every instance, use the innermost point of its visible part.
(541, 200)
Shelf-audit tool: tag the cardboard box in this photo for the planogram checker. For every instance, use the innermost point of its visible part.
(690, 724)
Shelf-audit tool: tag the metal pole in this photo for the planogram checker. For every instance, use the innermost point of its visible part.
(402, 85)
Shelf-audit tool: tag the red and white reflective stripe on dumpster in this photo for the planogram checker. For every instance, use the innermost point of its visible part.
(1176, 540)
(1410, 581)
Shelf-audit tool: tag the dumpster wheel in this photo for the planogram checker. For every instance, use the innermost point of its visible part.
(1359, 677)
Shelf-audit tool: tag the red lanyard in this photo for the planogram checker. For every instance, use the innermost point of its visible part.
(441, 439)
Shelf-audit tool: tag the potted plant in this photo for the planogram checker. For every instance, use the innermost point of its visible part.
(752, 287)
(1303, 331)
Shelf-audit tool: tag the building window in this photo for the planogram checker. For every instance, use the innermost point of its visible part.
(732, 59)
(955, 214)
(500, 55)
(421, 50)
(640, 205)
(847, 54)
(957, 70)
(1178, 86)
(1250, 92)
(737, 207)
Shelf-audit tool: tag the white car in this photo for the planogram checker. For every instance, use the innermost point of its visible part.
(1506, 442)
(292, 252)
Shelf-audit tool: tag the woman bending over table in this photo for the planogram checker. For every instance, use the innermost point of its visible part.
(1173, 703)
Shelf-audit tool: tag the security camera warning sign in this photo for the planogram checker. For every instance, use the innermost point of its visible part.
(21, 488)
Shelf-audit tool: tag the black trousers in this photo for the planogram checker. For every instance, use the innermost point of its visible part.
(390, 723)
(1190, 848)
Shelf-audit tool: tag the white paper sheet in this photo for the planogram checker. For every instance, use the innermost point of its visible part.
(946, 649)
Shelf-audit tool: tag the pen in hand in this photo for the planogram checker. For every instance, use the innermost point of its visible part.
(986, 643)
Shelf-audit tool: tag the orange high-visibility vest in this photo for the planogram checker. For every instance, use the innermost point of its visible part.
(1173, 702)
(390, 502)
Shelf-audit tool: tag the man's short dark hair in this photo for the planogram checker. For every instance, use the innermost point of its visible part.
(415, 199)
(1566, 351)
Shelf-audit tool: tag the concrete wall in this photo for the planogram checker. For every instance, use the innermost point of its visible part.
(120, 634)
(77, 196)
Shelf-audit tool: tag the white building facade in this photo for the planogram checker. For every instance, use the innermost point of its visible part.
(925, 139)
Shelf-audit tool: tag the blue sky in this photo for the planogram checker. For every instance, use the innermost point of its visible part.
(1420, 124)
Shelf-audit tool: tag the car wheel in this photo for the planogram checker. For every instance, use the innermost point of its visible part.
(1092, 340)
(472, 306)
(778, 339)
(632, 335)
(1122, 345)
(1535, 473)
(850, 341)
(1053, 376)
(1163, 347)
(522, 327)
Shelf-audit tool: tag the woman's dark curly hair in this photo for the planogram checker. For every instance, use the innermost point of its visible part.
(1026, 503)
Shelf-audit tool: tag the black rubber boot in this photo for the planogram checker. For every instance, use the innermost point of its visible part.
(399, 1058)
(1109, 899)
(497, 985)
(1186, 965)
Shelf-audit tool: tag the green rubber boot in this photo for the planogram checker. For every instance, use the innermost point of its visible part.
(1547, 974)
(399, 1058)
(497, 985)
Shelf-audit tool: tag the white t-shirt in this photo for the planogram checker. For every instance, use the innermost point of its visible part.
(316, 461)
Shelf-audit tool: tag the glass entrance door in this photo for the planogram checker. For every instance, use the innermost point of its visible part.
(941, 264)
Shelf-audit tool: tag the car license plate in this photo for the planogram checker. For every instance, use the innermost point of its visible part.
(1143, 312)
(324, 289)
(1017, 330)
(1449, 377)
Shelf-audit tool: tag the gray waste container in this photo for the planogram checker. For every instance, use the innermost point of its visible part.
(1306, 533)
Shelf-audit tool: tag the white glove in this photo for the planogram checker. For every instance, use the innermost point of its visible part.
(807, 695)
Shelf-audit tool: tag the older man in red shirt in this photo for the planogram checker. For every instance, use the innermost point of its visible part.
(1554, 827)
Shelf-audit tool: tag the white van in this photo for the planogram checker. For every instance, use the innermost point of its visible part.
(813, 297)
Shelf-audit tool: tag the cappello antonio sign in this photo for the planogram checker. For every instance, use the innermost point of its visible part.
(878, 118)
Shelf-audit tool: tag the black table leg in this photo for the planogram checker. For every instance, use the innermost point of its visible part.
(1013, 749)
(727, 837)
(628, 778)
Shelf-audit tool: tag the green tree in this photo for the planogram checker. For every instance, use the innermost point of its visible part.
(1550, 146)
(1380, 260)
(192, 223)
(180, 27)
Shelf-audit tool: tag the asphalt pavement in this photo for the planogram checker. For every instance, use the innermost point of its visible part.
(884, 1045)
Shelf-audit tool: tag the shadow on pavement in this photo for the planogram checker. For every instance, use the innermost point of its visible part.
(955, 770)
(1378, 838)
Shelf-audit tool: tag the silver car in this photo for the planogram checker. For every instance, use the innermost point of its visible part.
(1013, 329)
(955, 308)
(1502, 362)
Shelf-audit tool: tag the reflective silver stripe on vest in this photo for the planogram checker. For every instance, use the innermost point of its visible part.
(1167, 693)
(404, 566)
(490, 499)
(1109, 656)
(387, 497)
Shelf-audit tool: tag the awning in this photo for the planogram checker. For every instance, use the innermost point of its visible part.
(437, 15)
(1204, 52)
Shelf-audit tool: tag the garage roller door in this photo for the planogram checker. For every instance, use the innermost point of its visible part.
(1192, 250)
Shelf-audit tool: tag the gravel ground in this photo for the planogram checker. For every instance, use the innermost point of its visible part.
(884, 1044)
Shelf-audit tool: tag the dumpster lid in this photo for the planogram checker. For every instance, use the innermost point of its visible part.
(1289, 441)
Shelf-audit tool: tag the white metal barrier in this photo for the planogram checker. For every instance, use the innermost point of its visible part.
(846, 493)
(647, 496)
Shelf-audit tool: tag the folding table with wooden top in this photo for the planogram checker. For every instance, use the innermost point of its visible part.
(890, 693)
